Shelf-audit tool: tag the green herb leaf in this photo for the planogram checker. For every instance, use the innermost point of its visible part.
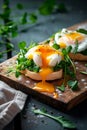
(73, 84)
(81, 30)
(83, 72)
(19, 6)
(61, 88)
(17, 74)
(60, 119)
(22, 45)
(56, 46)
(33, 18)
(47, 7)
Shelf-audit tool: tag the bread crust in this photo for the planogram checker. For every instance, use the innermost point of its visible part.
(36, 76)
(78, 57)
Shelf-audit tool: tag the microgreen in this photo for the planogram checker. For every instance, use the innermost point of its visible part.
(60, 119)
(73, 84)
(81, 30)
(24, 63)
(83, 72)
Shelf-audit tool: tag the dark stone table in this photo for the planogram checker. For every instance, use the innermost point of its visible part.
(45, 27)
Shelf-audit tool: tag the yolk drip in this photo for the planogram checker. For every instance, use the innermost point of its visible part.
(44, 86)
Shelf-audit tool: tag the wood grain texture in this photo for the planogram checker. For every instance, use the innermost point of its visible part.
(66, 100)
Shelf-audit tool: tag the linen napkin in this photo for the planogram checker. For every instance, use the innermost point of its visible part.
(11, 103)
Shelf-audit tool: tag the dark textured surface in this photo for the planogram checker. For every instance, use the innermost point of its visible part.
(46, 26)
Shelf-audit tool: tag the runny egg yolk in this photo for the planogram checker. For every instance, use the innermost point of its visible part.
(45, 70)
(70, 38)
(75, 36)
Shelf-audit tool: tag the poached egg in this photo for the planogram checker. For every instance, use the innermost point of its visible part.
(45, 57)
(70, 38)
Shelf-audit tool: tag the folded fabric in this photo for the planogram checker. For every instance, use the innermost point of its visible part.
(11, 103)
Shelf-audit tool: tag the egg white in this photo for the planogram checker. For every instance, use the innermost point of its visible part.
(53, 59)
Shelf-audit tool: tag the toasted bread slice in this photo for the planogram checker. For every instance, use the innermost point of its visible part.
(36, 76)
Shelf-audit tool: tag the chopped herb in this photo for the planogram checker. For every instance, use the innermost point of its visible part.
(61, 88)
(73, 84)
(81, 30)
(60, 119)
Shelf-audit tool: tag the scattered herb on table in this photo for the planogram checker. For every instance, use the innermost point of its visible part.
(73, 84)
(61, 88)
(60, 119)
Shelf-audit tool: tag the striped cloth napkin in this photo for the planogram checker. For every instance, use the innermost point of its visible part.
(11, 103)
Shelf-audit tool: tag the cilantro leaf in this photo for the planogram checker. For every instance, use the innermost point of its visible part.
(60, 119)
(81, 30)
(73, 84)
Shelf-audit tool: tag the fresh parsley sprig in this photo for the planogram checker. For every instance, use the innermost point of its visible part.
(60, 119)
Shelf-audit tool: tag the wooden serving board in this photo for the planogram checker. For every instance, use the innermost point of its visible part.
(65, 100)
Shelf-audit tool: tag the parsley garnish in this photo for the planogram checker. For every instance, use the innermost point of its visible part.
(60, 119)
